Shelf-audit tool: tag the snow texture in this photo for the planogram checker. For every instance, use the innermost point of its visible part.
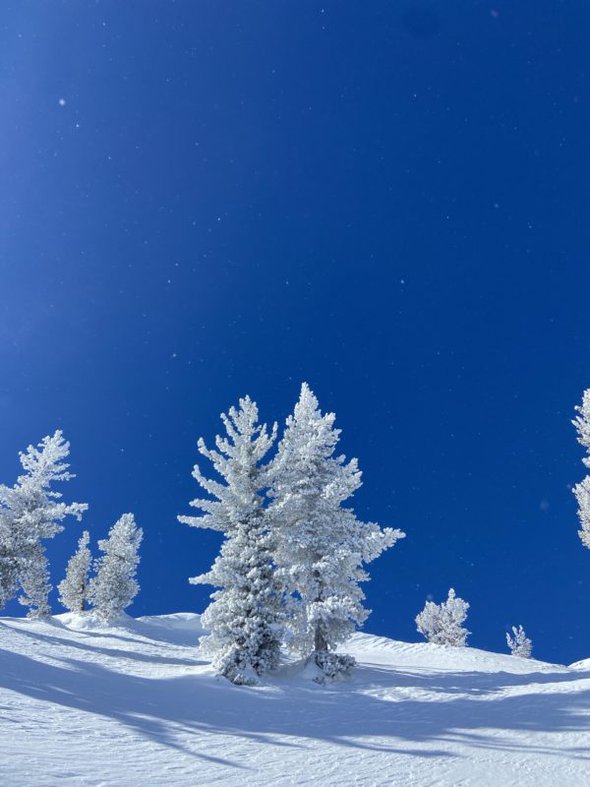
(131, 705)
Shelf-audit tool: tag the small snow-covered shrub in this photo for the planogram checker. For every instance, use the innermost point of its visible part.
(519, 644)
(442, 623)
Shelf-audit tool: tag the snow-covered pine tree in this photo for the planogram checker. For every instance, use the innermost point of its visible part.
(9, 556)
(321, 545)
(73, 589)
(519, 644)
(30, 512)
(582, 490)
(244, 620)
(114, 587)
(442, 624)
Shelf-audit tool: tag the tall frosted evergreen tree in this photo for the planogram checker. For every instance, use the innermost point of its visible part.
(73, 589)
(321, 546)
(31, 511)
(114, 587)
(582, 490)
(244, 618)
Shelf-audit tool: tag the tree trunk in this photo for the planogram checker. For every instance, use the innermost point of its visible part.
(320, 643)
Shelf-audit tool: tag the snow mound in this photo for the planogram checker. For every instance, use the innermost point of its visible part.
(133, 704)
(181, 627)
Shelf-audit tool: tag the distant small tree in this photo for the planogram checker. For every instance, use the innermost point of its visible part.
(73, 589)
(442, 624)
(114, 587)
(582, 490)
(31, 512)
(519, 644)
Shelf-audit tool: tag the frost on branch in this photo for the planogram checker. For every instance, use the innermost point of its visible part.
(245, 618)
(582, 490)
(321, 546)
(114, 587)
(519, 644)
(73, 589)
(442, 623)
(582, 493)
(31, 511)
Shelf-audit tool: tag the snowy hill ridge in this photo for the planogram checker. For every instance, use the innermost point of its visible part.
(133, 705)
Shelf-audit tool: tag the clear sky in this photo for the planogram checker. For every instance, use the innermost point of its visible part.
(388, 200)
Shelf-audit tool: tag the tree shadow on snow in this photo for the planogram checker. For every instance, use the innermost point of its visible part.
(135, 702)
(149, 658)
(172, 711)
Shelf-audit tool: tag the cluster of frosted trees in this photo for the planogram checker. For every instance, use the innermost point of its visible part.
(114, 586)
(31, 512)
(292, 558)
(442, 624)
(293, 555)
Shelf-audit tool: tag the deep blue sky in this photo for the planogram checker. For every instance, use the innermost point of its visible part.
(389, 200)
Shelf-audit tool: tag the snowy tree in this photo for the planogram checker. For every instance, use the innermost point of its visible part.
(442, 623)
(244, 618)
(321, 545)
(114, 587)
(10, 552)
(582, 490)
(519, 644)
(31, 511)
(73, 589)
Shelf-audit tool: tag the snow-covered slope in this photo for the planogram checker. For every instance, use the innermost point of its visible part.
(134, 705)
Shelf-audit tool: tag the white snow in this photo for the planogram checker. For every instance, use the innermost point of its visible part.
(132, 704)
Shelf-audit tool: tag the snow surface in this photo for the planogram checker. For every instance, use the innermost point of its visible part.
(134, 705)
